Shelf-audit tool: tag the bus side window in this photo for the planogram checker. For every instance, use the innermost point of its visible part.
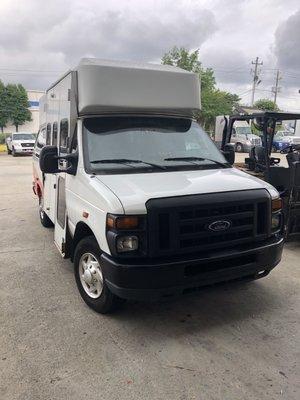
(54, 134)
(64, 132)
(48, 135)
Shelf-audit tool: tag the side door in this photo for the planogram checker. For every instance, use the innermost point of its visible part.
(61, 211)
(49, 181)
(37, 173)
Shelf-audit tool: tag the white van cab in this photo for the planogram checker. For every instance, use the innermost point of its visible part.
(140, 198)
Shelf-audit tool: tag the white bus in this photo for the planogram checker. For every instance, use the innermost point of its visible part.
(139, 196)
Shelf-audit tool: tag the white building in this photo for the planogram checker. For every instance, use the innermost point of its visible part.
(32, 126)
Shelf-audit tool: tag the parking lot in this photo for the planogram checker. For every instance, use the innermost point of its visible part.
(227, 342)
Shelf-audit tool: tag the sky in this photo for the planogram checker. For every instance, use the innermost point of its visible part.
(40, 40)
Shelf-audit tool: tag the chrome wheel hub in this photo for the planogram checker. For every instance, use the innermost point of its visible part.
(90, 274)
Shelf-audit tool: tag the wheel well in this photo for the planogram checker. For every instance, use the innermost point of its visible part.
(82, 230)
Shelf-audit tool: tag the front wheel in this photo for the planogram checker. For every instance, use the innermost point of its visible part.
(8, 150)
(239, 148)
(90, 279)
(13, 152)
(274, 150)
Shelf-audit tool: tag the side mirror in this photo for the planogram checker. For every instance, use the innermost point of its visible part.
(49, 160)
(8, 139)
(229, 153)
(51, 163)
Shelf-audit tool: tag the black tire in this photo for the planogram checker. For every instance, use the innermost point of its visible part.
(274, 150)
(107, 301)
(14, 154)
(239, 148)
(8, 151)
(45, 220)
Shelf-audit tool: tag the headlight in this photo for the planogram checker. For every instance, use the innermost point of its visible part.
(127, 243)
(276, 221)
(126, 235)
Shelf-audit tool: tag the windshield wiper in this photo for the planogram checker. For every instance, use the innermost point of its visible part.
(226, 165)
(126, 161)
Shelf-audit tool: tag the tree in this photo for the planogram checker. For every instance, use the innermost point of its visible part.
(3, 109)
(266, 105)
(17, 105)
(214, 101)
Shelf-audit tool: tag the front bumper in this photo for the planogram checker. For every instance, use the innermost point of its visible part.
(152, 280)
(23, 150)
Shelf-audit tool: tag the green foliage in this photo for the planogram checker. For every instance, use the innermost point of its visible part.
(266, 105)
(182, 58)
(3, 111)
(2, 138)
(214, 101)
(17, 104)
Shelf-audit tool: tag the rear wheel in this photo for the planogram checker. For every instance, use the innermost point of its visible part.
(239, 148)
(45, 220)
(90, 279)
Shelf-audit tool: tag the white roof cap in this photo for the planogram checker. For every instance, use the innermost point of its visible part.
(106, 86)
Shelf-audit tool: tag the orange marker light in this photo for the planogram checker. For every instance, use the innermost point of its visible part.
(127, 222)
(122, 222)
(276, 204)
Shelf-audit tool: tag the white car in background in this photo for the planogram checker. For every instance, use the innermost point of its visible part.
(20, 143)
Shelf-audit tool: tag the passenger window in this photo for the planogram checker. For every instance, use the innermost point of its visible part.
(48, 135)
(64, 131)
(54, 134)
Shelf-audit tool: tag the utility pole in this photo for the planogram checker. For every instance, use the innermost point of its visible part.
(276, 88)
(256, 81)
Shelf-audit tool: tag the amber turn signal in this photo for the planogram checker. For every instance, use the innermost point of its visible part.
(120, 222)
(276, 204)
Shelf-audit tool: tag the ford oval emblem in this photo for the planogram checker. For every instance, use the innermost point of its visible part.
(218, 226)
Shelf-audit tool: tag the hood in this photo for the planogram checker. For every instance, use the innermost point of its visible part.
(252, 136)
(134, 190)
(24, 140)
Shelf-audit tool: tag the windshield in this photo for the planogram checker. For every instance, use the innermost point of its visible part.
(23, 136)
(129, 144)
(243, 130)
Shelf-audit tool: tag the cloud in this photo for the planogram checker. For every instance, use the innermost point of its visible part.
(67, 31)
(45, 39)
(287, 43)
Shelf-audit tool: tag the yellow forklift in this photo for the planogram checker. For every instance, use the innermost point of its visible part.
(261, 163)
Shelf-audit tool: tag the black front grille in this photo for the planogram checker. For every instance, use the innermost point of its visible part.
(27, 144)
(180, 225)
